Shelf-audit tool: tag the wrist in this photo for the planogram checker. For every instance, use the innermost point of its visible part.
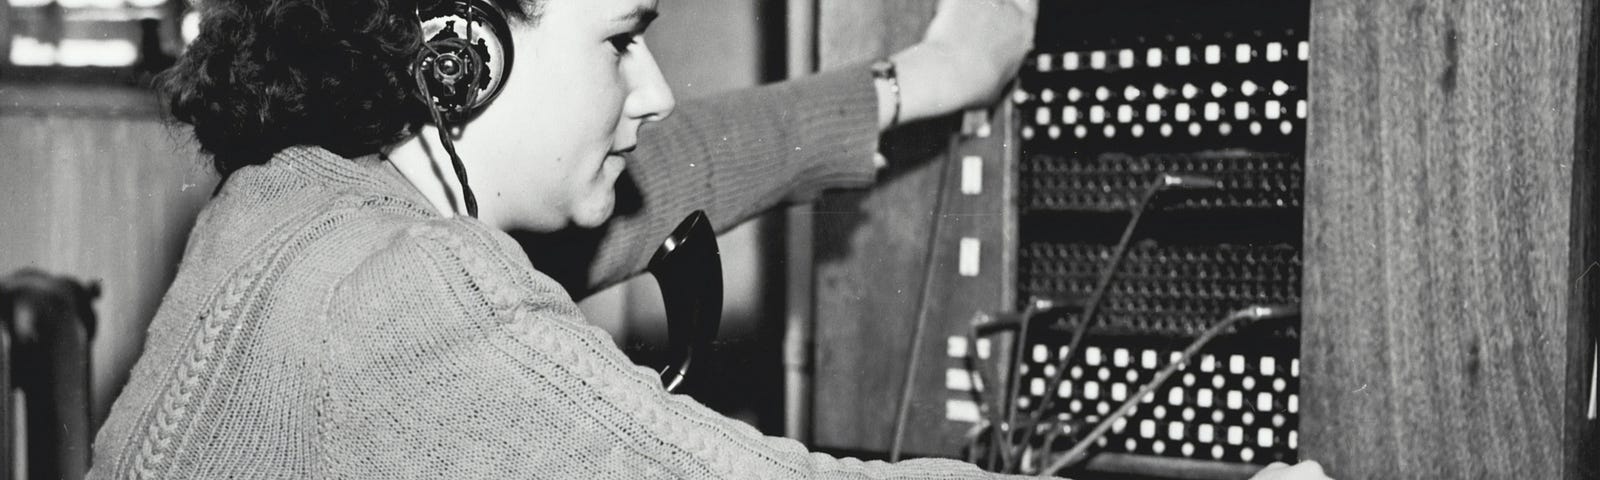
(923, 76)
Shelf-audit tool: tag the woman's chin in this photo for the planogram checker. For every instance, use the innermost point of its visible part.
(595, 213)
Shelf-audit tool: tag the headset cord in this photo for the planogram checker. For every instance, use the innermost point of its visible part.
(444, 130)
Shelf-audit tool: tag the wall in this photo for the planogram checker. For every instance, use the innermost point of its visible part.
(96, 187)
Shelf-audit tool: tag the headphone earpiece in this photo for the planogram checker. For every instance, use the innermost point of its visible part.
(448, 68)
(466, 55)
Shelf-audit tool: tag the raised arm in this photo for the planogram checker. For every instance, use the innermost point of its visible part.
(740, 154)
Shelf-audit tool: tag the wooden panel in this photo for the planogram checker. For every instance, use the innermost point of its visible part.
(1445, 334)
(105, 192)
(869, 252)
(874, 260)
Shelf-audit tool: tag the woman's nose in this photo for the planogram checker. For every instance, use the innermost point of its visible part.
(651, 98)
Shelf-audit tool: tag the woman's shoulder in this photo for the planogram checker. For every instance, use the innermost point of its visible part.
(437, 278)
(449, 256)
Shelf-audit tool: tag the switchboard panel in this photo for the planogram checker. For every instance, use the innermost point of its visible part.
(1118, 98)
(1187, 117)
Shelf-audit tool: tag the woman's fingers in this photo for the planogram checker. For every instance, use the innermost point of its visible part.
(1307, 470)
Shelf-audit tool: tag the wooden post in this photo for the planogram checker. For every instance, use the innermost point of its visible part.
(1450, 222)
(869, 252)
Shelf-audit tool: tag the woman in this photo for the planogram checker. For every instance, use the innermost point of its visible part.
(350, 303)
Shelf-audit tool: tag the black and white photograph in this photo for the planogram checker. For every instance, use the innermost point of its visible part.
(800, 239)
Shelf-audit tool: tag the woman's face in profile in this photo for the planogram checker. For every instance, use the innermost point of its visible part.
(548, 151)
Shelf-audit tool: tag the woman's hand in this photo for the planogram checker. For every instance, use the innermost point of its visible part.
(968, 56)
(1307, 470)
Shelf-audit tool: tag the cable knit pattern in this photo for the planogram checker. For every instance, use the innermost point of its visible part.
(166, 427)
(326, 323)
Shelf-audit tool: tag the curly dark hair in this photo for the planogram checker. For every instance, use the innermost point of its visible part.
(264, 75)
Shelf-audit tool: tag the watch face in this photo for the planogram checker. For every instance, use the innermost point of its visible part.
(883, 69)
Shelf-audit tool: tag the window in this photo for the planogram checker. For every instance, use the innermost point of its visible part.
(92, 40)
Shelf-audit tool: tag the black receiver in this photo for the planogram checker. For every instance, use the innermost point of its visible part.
(689, 268)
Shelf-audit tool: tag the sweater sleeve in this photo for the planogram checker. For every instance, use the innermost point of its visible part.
(733, 156)
(455, 359)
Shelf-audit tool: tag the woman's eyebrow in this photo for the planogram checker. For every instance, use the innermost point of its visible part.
(642, 15)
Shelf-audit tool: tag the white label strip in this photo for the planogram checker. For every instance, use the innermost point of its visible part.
(972, 175)
(961, 411)
(956, 347)
(958, 379)
(968, 263)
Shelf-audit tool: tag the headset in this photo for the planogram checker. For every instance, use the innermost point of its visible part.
(463, 64)
(465, 58)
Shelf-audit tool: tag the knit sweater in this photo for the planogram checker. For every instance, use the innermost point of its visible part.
(327, 323)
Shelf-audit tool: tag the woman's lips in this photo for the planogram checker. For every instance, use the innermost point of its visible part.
(616, 161)
(612, 167)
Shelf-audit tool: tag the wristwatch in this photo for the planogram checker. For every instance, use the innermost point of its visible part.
(884, 73)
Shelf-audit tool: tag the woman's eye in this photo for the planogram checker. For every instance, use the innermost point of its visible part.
(622, 42)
